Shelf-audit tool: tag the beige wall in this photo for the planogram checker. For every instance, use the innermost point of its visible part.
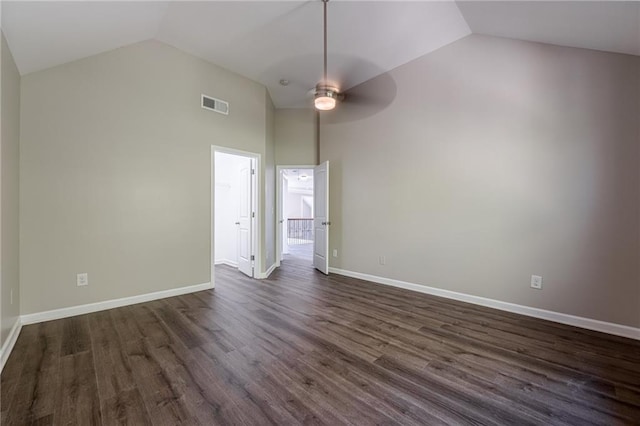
(496, 160)
(295, 137)
(115, 172)
(10, 156)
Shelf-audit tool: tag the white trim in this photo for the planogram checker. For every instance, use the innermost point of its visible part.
(227, 262)
(212, 223)
(588, 323)
(268, 272)
(10, 343)
(110, 304)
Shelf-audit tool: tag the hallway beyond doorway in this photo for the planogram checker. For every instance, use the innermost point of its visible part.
(300, 253)
(296, 212)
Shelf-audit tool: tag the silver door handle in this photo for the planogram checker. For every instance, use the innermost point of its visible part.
(281, 221)
(237, 223)
(326, 223)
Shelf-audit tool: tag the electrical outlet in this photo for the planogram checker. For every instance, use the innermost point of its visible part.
(335, 252)
(536, 282)
(383, 260)
(82, 279)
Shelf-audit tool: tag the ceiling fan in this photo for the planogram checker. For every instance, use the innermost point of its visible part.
(356, 102)
(325, 96)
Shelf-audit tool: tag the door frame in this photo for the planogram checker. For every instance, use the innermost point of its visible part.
(255, 202)
(279, 225)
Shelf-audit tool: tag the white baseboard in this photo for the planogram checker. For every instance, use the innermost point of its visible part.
(268, 272)
(10, 343)
(589, 324)
(109, 304)
(226, 262)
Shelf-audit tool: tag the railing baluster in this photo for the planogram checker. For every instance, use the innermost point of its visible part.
(299, 231)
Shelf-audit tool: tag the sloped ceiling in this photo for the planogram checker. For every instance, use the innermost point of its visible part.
(611, 26)
(267, 41)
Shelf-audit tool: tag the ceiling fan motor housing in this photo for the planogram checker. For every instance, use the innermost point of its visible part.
(328, 91)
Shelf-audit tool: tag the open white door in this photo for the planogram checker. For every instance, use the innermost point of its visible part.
(283, 219)
(245, 247)
(321, 217)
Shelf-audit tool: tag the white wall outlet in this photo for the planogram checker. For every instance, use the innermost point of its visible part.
(536, 282)
(82, 279)
(335, 252)
(383, 260)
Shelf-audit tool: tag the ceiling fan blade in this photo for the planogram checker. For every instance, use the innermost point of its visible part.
(364, 100)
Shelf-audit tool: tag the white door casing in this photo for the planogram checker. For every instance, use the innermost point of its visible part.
(321, 217)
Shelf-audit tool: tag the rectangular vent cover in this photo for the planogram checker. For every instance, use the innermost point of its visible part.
(214, 104)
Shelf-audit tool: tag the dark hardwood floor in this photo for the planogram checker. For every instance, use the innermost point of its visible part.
(302, 348)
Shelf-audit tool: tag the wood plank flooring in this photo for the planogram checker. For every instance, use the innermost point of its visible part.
(302, 348)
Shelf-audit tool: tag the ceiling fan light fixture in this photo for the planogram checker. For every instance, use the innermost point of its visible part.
(325, 103)
(325, 99)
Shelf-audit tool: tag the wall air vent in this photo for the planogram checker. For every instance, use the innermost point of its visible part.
(213, 104)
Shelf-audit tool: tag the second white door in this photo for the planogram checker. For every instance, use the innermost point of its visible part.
(245, 222)
(321, 217)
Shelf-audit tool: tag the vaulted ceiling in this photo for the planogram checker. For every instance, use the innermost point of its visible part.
(267, 41)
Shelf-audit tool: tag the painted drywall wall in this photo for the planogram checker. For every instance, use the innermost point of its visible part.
(297, 205)
(295, 137)
(9, 212)
(116, 172)
(497, 159)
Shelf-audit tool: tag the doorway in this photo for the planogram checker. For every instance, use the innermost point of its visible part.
(234, 236)
(295, 213)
